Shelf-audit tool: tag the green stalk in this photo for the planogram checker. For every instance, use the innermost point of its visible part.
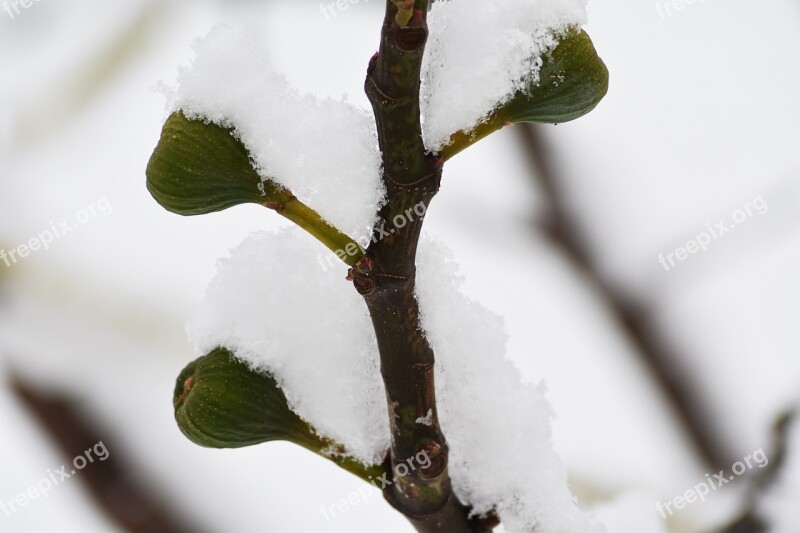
(461, 141)
(289, 207)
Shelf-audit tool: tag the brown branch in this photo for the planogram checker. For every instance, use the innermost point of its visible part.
(750, 521)
(683, 392)
(128, 503)
(386, 276)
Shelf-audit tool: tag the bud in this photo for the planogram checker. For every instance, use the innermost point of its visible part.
(221, 403)
(200, 168)
(572, 81)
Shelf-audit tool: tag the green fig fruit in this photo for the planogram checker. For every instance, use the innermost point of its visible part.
(572, 81)
(200, 168)
(221, 403)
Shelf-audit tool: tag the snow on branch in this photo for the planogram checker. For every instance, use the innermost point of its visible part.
(498, 428)
(323, 150)
(480, 53)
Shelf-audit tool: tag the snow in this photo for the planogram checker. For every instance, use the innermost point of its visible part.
(501, 453)
(325, 151)
(277, 309)
(480, 53)
(281, 311)
(779, 506)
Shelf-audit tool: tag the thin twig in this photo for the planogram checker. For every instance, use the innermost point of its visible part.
(635, 320)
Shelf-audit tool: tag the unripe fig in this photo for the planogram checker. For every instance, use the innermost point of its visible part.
(221, 403)
(572, 81)
(200, 168)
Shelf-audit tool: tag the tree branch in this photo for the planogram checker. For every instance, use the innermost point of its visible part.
(750, 521)
(385, 277)
(130, 504)
(634, 319)
(288, 206)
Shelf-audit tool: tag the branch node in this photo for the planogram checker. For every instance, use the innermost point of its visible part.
(411, 39)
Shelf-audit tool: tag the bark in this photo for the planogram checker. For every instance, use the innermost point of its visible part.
(385, 277)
